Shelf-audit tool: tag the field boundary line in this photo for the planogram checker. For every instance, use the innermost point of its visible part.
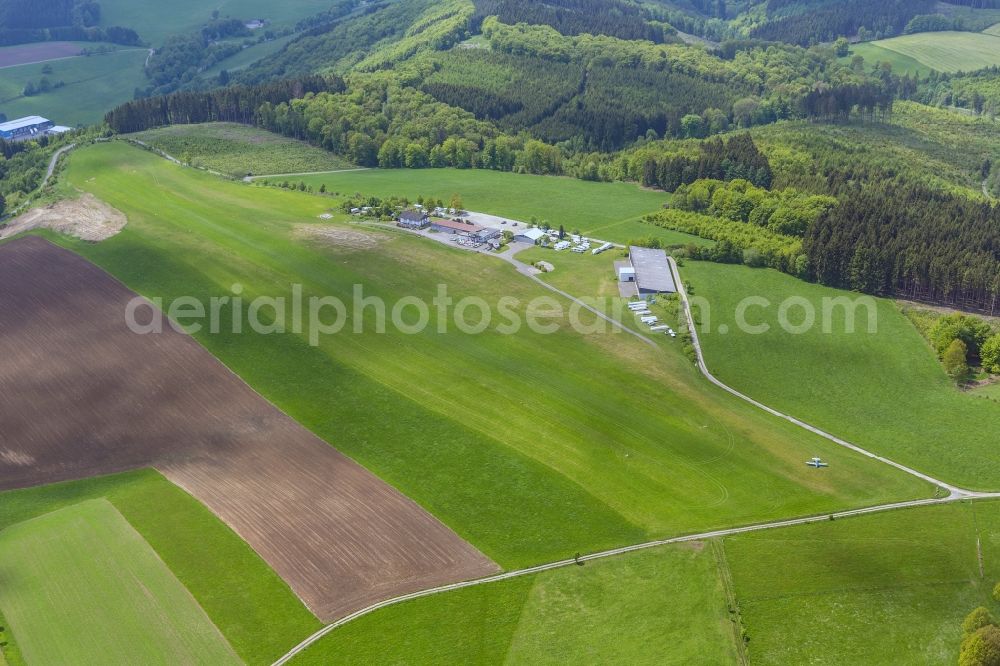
(623, 550)
(250, 179)
(78, 55)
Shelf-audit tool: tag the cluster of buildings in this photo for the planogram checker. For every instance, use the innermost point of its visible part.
(646, 271)
(466, 233)
(29, 127)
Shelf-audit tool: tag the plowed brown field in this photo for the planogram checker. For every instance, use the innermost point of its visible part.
(81, 395)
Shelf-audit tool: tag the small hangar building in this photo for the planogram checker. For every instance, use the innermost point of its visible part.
(650, 271)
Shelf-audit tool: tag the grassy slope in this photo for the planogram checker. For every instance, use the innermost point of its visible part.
(601, 209)
(81, 586)
(237, 590)
(888, 588)
(508, 439)
(93, 86)
(155, 21)
(993, 30)
(238, 149)
(875, 54)
(654, 607)
(885, 392)
(947, 51)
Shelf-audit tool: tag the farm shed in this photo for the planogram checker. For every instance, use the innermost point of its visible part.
(652, 271)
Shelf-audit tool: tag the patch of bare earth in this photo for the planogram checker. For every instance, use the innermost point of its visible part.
(81, 395)
(87, 218)
(338, 236)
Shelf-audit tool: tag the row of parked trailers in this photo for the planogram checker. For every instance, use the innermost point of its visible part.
(646, 316)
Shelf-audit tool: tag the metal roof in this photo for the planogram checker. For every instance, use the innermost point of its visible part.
(18, 123)
(533, 234)
(652, 270)
(457, 226)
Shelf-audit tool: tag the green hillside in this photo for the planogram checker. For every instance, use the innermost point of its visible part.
(521, 485)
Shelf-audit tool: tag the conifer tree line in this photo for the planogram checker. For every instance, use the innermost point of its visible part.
(237, 104)
(906, 240)
(788, 23)
(735, 158)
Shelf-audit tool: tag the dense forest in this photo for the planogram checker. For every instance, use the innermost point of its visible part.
(237, 104)
(903, 239)
(25, 21)
(615, 18)
(827, 21)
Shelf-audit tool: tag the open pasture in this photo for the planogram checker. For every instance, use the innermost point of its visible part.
(666, 605)
(603, 210)
(532, 446)
(81, 586)
(889, 588)
(236, 588)
(884, 391)
(239, 150)
(155, 21)
(87, 396)
(93, 86)
(875, 54)
(947, 51)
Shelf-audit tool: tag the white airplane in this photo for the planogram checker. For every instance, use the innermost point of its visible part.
(817, 463)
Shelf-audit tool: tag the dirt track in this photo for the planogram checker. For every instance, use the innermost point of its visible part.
(80, 395)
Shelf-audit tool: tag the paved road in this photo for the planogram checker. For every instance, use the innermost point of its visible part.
(53, 161)
(291, 654)
(953, 491)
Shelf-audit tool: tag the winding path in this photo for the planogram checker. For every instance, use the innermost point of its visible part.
(955, 494)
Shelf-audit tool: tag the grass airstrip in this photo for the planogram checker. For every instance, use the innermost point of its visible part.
(530, 446)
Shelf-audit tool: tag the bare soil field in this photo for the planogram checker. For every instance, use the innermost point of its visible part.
(87, 218)
(81, 395)
(337, 236)
(37, 52)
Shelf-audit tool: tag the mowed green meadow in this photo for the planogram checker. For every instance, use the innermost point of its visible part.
(604, 210)
(94, 85)
(885, 391)
(254, 609)
(532, 446)
(660, 606)
(155, 21)
(239, 150)
(875, 54)
(81, 586)
(947, 51)
(887, 588)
